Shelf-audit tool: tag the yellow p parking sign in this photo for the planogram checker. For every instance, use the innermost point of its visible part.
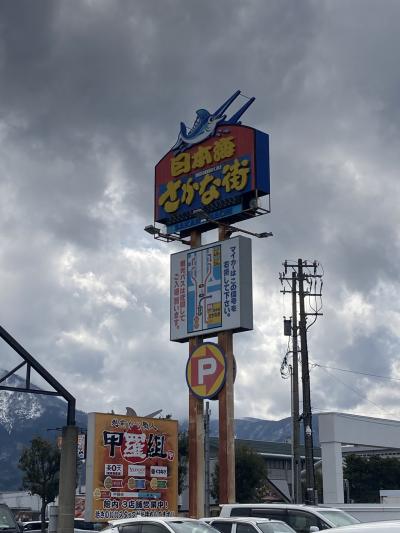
(206, 370)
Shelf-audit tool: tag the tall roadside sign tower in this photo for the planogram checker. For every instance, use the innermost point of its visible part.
(215, 175)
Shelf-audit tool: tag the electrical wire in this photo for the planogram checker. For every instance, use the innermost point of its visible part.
(356, 391)
(355, 372)
(285, 366)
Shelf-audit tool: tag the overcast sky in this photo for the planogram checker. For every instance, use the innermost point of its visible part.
(91, 96)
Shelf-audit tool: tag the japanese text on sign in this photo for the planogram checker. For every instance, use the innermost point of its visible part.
(230, 283)
(124, 454)
(235, 177)
(185, 162)
(179, 289)
(211, 289)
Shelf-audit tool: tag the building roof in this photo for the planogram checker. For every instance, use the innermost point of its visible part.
(270, 449)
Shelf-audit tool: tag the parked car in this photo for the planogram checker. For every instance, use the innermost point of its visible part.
(7, 520)
(80, 524)
(244, 524)
(173, 524)
(34, 525)
(390, 526)
(302, 518)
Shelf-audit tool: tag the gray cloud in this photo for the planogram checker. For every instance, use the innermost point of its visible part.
(91, 98)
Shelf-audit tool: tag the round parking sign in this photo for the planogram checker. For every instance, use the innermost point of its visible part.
(206, 370)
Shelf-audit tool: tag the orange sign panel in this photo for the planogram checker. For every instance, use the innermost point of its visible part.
(206, 370)
(131, 467)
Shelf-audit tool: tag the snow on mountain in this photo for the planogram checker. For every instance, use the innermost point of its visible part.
(24, 416)
(17, 407)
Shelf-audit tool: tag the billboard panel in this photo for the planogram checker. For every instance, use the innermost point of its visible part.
(211, 289)
(220, 175)
(131, 467)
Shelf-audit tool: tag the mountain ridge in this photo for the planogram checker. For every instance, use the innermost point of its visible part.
(24, 416)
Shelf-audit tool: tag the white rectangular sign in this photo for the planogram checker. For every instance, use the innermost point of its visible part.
(159, 471)
(137, 470)
(211, 289)
(112, 469)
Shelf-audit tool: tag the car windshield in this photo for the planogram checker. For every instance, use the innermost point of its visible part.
(338, 518)
(274, 527)
(88, 526)
(183, 526)
(7, 520)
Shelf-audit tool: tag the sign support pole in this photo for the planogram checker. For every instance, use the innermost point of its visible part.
(66, 509)
(226, 454)
(196, 431)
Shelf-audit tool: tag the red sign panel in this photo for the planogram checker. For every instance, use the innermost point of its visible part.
(212, 175)
(127, 456)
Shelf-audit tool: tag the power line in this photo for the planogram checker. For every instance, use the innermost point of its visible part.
(355, 372)
(356, 391)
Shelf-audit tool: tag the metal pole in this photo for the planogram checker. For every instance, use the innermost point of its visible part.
(296, 492)
(207, 460)
(293, 497)
(66, 512)
(196, 431)
(307, 417)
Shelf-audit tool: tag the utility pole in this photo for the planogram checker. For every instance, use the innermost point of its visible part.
(305, 377)
(296, 466)
(302, 272)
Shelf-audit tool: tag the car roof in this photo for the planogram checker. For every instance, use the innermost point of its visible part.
(283, 506)
(370, 527)
(278, 506)
(152, 519)
(238, 519)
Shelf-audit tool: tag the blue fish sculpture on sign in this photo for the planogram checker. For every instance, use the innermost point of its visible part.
(206, 124)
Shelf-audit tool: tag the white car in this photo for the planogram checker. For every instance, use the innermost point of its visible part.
(173, 524)
(34, 525)
(248, 525)
(80, 524)
(302, 518)
(392, 526)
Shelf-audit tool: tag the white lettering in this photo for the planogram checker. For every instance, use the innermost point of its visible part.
(207, 367)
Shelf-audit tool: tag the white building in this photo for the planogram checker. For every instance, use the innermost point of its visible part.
(24, 505)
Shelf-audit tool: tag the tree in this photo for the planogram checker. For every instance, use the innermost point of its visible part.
(367, 475)
(41, 465)
(250, 476)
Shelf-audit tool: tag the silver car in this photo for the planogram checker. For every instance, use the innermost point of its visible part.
(143, 524)
(392, 526)
(302, 518)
